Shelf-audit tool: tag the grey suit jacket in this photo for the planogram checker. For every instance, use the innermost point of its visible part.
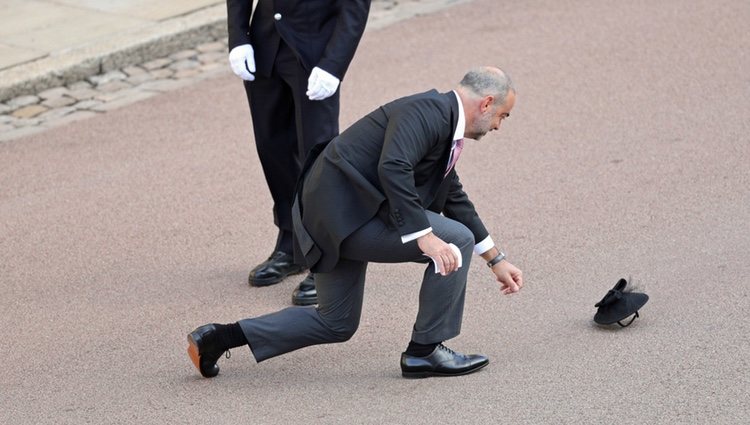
(390, 164)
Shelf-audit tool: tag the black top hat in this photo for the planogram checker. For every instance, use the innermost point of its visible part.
(618, 304)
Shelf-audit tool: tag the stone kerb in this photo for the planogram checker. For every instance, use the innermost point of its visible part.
(133, 47)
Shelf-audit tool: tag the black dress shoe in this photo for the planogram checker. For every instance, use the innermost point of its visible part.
(204, 351)
(305, 293)
(278, 266)
(442, 362)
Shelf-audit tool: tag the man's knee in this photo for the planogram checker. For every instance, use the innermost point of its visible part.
(342, 330)
(462, 237)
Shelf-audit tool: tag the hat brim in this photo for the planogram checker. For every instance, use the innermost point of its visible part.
(625, 307)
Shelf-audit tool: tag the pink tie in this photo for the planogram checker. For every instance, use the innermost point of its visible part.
(455, 153)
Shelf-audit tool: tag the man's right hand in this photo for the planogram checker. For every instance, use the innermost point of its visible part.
(242, 61)
(440, 252)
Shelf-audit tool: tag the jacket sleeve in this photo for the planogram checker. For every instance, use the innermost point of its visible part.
(458, 207)
(238, 22)
(350, 25)
(412, 131)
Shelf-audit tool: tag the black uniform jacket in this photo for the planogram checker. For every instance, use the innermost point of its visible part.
(323, 33)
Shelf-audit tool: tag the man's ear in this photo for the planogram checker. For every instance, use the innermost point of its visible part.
(486, 103)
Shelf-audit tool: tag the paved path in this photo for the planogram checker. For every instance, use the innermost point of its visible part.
(626, 155)
(46, 43)
(34, 29)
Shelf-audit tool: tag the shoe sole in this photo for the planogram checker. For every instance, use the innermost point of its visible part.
(273, 281)
(304, 302)
(429, 373)
(192, 350)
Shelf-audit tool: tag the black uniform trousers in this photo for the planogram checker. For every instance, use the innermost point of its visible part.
(287, 125)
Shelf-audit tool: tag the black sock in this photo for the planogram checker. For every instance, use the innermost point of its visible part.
(420, 350)
(230, 336)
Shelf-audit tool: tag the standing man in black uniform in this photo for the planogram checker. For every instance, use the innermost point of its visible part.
(292, 57)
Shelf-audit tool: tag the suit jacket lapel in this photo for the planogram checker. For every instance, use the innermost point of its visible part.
(431, 171)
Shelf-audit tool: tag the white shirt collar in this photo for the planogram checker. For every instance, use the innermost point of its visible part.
(461, 126)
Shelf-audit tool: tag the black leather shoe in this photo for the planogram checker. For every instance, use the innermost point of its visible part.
(442, 362)
(305, 293)
(204, 351)
(278, 266)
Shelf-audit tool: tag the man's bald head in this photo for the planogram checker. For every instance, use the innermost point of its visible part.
(487, 81)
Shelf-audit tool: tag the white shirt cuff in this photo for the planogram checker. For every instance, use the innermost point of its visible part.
(483, 246)
(411, 236)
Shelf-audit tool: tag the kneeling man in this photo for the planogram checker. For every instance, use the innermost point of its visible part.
(386, 190)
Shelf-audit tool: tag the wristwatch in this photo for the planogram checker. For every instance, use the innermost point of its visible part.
(498, 258)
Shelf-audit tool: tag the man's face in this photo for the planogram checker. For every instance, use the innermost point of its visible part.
(492, 117)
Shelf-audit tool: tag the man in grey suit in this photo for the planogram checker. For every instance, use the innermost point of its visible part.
(386, 190)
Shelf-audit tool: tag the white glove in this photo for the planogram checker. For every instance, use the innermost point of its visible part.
(321, 84)
(242, 61)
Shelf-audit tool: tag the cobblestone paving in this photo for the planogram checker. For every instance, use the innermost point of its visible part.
(28, 114)
(104, 92)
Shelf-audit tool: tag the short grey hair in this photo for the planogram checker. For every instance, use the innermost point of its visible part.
(488, 81)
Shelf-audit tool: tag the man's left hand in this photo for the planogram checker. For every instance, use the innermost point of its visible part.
(321, 84)
(509, 277)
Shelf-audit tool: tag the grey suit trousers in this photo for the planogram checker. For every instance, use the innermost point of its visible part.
(340, 293)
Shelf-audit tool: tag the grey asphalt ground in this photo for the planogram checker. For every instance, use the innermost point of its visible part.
(626, 155)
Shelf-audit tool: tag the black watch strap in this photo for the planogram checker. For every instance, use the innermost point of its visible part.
(498, 258)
